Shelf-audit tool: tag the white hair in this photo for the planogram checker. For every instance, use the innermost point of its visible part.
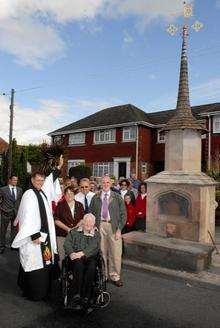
(89, 216)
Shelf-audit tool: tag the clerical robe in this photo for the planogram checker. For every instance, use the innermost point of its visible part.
(36, 221)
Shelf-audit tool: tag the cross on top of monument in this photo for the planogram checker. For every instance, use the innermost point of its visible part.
(183, 118)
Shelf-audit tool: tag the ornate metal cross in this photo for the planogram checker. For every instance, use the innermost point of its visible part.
(187, 14)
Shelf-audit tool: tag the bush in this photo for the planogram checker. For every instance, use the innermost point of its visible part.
(80, 171)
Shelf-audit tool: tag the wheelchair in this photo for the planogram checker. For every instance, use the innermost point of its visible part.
(100, 296)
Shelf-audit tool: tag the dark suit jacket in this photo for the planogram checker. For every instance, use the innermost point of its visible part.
(7, 204)
(116, 207)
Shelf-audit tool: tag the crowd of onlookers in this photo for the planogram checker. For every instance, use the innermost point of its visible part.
(133, 192)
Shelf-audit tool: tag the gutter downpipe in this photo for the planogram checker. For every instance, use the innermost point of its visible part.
(209, 144)
(137, 152)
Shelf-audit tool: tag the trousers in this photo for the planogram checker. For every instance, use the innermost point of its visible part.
(84, 274)
(111, 251)
(5, 220)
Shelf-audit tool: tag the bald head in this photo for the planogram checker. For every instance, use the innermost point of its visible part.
(106, 183)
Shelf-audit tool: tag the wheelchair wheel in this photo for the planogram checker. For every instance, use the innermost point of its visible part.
(103, 299)
(65, 300)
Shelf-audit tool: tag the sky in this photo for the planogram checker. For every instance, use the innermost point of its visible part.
(67, 59)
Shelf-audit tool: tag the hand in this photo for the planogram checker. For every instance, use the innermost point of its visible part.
(61, 160)
(37, 241)
(15, 223)
(72, 256)
(78, 255)
(118, 234)
(79, 224)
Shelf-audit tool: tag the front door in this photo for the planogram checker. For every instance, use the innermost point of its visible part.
(122, 169)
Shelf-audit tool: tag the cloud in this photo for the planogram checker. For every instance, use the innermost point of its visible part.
(145, 12)
(207, 91)
(31, 30)
(203, 93)
(33, 125)
(152, 76)
(127, 38)
(31, 42)
(88, 105)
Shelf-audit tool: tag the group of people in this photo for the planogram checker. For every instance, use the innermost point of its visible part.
(74, 221)
(133, 192)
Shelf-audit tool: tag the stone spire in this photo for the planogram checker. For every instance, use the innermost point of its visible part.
(183, 118)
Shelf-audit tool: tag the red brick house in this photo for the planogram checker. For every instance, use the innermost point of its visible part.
(125, 139)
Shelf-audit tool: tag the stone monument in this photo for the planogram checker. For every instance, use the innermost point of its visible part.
(181, 200)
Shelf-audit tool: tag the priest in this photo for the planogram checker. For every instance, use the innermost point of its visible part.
(36, 237)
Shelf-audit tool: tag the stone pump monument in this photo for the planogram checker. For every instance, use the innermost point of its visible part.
(181, 200)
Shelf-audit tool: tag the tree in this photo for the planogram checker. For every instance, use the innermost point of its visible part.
(3, 169)
(80, 171)
(34, 155)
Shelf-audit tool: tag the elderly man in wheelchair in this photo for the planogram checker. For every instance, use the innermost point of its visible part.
(83, 275)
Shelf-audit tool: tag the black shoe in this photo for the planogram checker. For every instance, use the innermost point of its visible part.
(89, 310)
(77, 307)
(85, 302)
(14, 249)
(76, 299)
(2, 250)
(118, 283)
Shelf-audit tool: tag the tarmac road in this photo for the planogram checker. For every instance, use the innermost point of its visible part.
(146, 300)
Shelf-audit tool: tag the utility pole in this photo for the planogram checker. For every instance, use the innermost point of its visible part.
(11, 133)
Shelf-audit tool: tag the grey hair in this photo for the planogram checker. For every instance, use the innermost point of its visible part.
(89, 216)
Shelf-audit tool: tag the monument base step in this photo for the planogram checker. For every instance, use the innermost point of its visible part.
(169, 253)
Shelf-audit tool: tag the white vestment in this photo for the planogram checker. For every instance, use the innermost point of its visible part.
(30, 223)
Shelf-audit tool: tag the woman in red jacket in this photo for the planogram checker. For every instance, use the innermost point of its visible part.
(141, 207)
(67, 215)
(129, 225)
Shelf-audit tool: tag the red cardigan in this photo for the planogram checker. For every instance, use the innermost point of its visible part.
(130, 215)
(63, 213)
(140, 207)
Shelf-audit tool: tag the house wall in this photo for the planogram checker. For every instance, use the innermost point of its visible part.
(91, 152)
(149, 150)
(145, 143)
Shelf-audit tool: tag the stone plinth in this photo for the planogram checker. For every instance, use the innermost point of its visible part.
(181, 205)
(167, 252)
(183, 150)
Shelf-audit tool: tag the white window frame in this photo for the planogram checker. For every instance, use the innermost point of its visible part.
(130, 133)
(144, 167)
(216, 124)
(160, 138)
(104, 136)
(78, 141)
(74, 162)
(102, 168)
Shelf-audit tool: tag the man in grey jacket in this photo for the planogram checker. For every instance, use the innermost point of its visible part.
(10, 197)
(110, 212)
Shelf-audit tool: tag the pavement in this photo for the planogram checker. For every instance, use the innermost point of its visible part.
(209, 278)
(152, 297)
(146, 300)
